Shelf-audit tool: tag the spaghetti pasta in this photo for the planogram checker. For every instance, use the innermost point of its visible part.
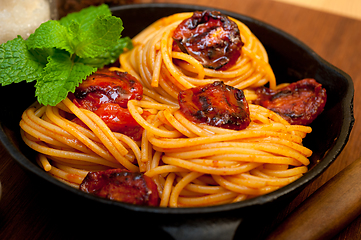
(153, 61)
(192, 164)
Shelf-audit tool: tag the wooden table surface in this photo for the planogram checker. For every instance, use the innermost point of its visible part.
(25, 212)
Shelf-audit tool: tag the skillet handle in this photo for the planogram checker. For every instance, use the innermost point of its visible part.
(224, 229)
(327, 211)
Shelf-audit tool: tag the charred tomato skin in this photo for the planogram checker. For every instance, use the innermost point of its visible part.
(299, 103)
(106, 93)
(122, 185)
(108, 86)
(215, 104)
(210, 37)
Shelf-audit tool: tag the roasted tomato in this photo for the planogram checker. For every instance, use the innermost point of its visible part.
(215, 104)
(106, 93)
(108, 86)
(119, 119)
(121, 185)
(211, 38)
(298, 103)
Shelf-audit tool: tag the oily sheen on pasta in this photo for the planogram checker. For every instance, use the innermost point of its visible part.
(192, 164)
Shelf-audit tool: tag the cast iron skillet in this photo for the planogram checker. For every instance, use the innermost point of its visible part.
(291, 61)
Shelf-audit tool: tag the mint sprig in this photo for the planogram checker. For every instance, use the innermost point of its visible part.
(50, 34)
(59, 55)
(17, 64)
(103, 33)
(60, 76)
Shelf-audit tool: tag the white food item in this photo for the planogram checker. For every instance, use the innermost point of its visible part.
(22, 17)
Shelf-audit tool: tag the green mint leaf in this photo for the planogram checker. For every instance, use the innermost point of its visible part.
(74, 30)
(59, 55)
(110, 56)
(102, 35)
(61, 76)
(86, 17)
(18, 64)
(42, 54)
(50, 35)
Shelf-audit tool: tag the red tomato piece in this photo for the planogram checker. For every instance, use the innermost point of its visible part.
(298, 103)
(211, 38)
(119, 119)
(215, 104)
(106, 93)
(122, 185)
(108, 86)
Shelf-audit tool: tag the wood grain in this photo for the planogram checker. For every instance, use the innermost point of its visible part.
(26, 211)
(327, 211)
(349, 8)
